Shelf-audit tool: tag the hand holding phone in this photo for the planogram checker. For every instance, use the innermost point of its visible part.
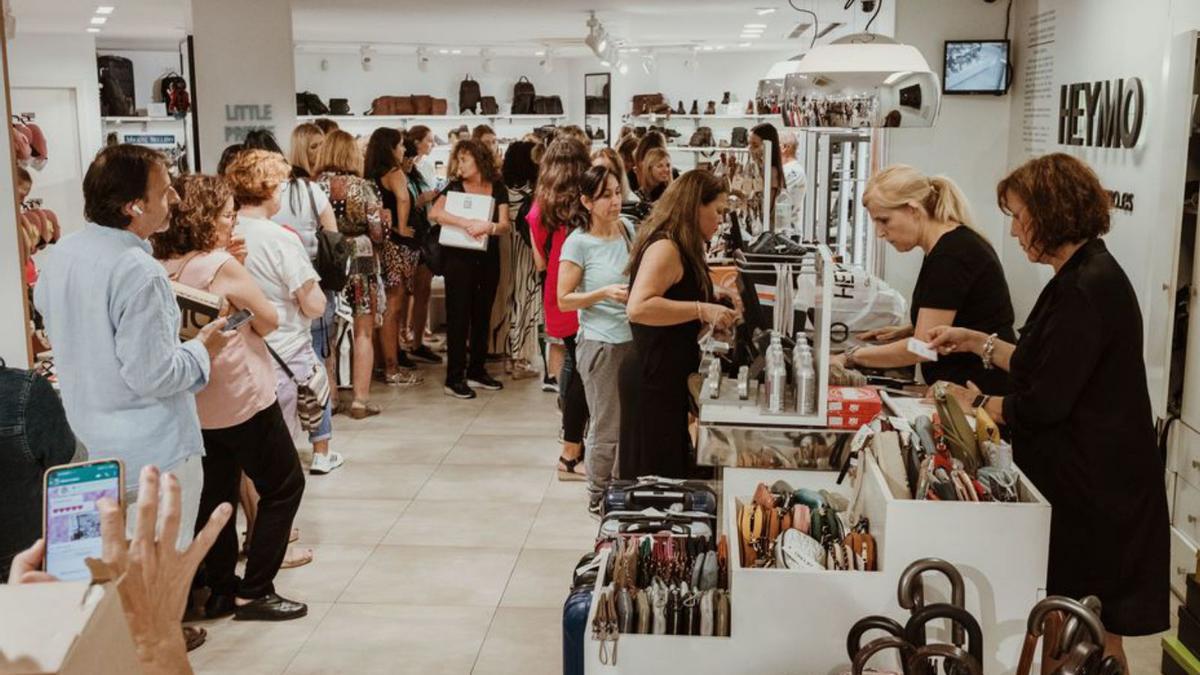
(238, 319)
(70, 519)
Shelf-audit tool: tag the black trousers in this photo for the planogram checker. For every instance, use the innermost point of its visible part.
(471, 281)
(262, 447)
(572, 399)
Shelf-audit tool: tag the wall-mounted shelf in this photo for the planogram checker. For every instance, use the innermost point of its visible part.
(430, 118)
(141, 120)
(688, 148)
(698, 118)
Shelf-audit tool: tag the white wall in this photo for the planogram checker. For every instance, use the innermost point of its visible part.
(62, 61)
(737, 73)
(969, 141)
(148, 67)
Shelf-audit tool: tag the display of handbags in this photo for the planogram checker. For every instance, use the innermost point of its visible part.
(783, 528)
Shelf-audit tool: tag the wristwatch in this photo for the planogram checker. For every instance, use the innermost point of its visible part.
(980, 401)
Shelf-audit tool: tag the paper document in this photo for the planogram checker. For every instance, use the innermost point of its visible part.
(922, 349)
(465, 205)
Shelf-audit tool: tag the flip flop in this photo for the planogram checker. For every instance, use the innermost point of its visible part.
(566, 469)
(295, 559)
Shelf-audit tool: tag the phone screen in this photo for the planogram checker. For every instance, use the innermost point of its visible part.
(72, 520)
(238, 318)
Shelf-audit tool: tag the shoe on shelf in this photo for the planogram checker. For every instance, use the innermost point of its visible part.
(484, 381)
(695, 107)
(550, 385)
(725, 99)
(324, 463)
(359, 410)
(424, 353)
(270, 607)
(458, 389)
(711, 108)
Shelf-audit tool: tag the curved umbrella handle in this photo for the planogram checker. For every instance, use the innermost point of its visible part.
(911, 590)
(914, 631)
(859, 662)
(860, 628)
(919, 662)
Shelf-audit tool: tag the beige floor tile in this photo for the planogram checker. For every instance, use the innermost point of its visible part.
(564, 525)
(513, 424)
(346, 521)
(522, 642)
(490, 450)
(464, 523)
(254, 646)
(323, 579)
(541, 578)
(421, 575)
(398, 639)
(565, 490)
(364, 480)
(399, 447)
(485, 483)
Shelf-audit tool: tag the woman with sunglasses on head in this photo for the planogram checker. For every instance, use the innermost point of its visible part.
(1079, 410)
(471, 275)
(671, 298)
(593, 280)
(240, 417)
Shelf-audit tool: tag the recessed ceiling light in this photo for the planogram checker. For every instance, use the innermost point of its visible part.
(443, 51)
(104, 9)
(744, 44)
(707, 48)
(720, 47)
(755, 25)
(763, 11)
(99, 20)
(93, 30)
(751, 31)
(540, 52)
(455, 51)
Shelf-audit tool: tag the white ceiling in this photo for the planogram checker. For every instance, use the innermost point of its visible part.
(467, 23)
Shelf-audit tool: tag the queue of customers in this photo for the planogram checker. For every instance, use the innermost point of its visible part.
(620, 304)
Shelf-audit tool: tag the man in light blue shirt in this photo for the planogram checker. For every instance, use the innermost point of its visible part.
(112, 319)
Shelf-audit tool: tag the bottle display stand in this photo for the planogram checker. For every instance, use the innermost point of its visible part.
(796, 621)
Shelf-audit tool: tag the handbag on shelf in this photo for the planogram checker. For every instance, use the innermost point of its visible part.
(489, 106)
(339, 106)
(468, 95)
(524, 94)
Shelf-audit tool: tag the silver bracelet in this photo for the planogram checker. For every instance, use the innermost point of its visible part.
(989, 350)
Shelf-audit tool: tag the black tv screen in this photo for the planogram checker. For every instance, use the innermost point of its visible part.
(975, 67)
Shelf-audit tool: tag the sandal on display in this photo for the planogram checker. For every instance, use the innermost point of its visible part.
(567, 469)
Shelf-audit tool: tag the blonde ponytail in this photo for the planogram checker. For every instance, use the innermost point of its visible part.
(901, 185)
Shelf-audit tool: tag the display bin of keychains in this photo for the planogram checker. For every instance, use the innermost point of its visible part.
(772, 447)
(789, 621)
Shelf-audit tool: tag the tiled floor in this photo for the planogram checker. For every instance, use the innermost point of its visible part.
(444, 545)
(440, 547)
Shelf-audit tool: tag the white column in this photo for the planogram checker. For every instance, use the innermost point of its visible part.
(14, 339)
(245, 72)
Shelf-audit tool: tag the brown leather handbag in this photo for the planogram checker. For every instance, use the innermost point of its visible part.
(393, 105)
(439, 106)
(645, 104)
(422, 104)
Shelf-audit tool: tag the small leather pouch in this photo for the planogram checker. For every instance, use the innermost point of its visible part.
(721, 608)
(706, 613)
(642, 604)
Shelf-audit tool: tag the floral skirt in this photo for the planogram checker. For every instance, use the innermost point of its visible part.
(363, 290)
(399, 265)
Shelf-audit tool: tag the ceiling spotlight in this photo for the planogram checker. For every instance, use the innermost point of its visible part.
(422, 59)
(366, 56)
(692, 63)
(455, 51)
(547, 62)
(443, 51)
(755, 25)
(597, 37)
(99, 20)
(324, 64)
(104, 9)
(486, 54)
(93, 30)
(540, 52)
(622, 67)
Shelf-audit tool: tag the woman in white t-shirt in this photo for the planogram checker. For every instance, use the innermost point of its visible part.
(592, 280)
(277, 260)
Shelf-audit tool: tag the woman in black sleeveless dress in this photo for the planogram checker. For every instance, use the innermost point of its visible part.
(670, 299)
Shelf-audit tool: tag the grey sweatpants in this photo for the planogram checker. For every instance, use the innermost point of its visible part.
(599, 364)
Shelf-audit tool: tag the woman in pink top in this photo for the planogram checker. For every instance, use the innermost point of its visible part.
(557, 195)
(240, 418)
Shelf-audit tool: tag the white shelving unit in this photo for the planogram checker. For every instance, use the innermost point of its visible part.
(655, 119)
(515, 119)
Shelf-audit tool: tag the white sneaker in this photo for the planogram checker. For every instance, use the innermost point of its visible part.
(325, 463)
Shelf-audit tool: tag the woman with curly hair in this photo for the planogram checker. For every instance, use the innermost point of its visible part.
(361, 218)
(472, 275)
(240, 417)
(1079, 411)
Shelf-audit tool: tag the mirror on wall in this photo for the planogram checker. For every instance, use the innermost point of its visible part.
(597, 106)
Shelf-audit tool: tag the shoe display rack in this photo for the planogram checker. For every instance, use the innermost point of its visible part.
(792, 620)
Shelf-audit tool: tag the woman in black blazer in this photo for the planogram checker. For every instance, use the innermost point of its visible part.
(1079, 411)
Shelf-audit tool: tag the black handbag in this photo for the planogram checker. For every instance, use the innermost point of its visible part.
(432, 255)
(547, 105)
(523, 97)
(308, 103)
(339, 106)
(468, 95)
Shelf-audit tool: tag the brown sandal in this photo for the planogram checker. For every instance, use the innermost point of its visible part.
(566, 469)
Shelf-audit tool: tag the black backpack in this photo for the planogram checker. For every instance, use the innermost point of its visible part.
(523, 97)
(468, 95)
(333, 260)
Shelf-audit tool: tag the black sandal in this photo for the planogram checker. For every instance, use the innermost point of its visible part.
(566, 468)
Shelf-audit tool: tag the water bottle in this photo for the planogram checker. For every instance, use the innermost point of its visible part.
(806, 385)
(783, 210)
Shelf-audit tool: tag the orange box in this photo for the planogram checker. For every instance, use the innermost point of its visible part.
(852, 407)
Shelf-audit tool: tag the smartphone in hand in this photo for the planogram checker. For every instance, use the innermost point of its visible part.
(70, 520)
(238, 319)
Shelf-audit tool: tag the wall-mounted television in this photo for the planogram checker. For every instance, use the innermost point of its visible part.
(976, 67)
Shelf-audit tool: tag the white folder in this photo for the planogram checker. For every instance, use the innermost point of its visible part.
(470, 206)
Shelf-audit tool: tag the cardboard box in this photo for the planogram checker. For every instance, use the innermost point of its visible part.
(67, 628)
(852, 407)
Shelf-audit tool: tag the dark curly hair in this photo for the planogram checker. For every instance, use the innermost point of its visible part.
(193, 219)
(482, 156)
(1064, 198)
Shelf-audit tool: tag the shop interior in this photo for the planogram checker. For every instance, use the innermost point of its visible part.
(838, 505)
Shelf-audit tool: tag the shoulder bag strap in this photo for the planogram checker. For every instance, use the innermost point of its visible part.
(280, 361)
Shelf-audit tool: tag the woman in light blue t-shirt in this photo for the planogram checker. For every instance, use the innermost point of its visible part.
(592, 280)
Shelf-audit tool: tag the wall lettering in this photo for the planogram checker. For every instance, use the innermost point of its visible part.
(1107, 114)
(247, 117)
(1121, 201)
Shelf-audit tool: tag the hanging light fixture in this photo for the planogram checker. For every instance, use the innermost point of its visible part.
(649, 62)
(597, 37)
(547, 62)
(422, 59)
(486, 54)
